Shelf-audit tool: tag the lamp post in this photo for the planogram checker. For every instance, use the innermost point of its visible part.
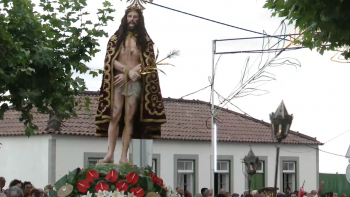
(251, 162)
(280, 125)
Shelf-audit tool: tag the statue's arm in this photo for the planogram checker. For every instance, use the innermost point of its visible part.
(121, 68)
(118, 66)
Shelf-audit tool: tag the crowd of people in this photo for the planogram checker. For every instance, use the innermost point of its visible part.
(18, 188)
(205, 192)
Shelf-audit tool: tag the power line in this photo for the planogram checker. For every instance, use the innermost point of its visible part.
(195, 91)
(323, 150)
(337, 136)
(240, 28)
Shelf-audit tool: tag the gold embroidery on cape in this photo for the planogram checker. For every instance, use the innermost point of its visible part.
(154, 103)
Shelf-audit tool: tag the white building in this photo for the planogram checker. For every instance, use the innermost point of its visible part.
(181, 157)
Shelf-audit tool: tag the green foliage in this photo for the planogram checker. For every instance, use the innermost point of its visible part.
(325, 22)
(40, 52)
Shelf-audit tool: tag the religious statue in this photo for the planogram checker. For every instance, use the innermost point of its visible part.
(130, 102)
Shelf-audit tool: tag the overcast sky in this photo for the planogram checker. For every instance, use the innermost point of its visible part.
(317, 93)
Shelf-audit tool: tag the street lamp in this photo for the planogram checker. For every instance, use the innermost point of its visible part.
(251, 162)
(280, 125)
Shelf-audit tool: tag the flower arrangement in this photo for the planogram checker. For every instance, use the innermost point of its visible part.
(110, 180)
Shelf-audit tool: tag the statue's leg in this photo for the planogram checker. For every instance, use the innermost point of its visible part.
(113, 129)
(131, 107)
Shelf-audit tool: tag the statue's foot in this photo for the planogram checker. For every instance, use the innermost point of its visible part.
(123, 160)
(107, 159)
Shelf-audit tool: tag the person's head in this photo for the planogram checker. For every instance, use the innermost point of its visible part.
(188, 194)
(313, 192)
(335, 195)
(220, 195)
(344, 195)
(203, 190)
(208, 193)
(222, 191)
(287, 190)
(255, 193)
(235, 195)
(36, 193)
(294, 194)
(27, 186)
(16, 182)
(2, 182)
(134, 21)
(248, 195)
(180, 191)
(329, 194)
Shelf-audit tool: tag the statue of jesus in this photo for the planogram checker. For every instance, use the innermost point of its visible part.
(130, 103)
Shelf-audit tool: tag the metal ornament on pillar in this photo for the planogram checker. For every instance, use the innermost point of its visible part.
(251, 162)
(280, 123)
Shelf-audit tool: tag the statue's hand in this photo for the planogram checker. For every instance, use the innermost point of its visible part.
(134, 75)
(119, 80)
(137, 68)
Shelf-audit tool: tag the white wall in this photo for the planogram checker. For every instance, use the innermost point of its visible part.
(70, 151)
(25, 159)
(167, 149)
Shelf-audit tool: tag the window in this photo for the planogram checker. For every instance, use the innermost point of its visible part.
(185, 175)
(258, 180)
(289, 175)
(154, 166)
(93, 160)
(222, 177)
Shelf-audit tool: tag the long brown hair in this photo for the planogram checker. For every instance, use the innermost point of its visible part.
(140, 30)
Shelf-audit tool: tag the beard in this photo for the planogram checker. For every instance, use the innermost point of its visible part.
(132, 28)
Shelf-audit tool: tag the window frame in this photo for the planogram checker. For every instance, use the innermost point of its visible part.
(287, 159)
(229, 158)
(195, 159)
(88, 155)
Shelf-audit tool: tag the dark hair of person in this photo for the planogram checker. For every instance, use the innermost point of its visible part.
(186, 193)
(15, 182)
(140, 30)
(203, 190)
(248, 195)
(26, 183)
(220, 195)
(35, 192)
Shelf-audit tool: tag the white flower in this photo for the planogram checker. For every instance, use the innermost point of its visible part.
(103, 194)
(131, 194)
(117, 193)
(88, 194)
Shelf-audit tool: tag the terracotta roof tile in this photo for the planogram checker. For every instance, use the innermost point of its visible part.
(186, 120)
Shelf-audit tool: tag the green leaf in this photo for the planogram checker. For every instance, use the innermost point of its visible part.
(29, 131)
(72, 176)
(52, 193)
(146, 183)
(61, 182)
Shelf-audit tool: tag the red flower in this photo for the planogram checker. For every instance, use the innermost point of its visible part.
(156, 180)
(152, 175)
(122, 186)
(138, 191)
(101, 186)
(112, 176)
(83, 186)
(91, 175)
(132, 178)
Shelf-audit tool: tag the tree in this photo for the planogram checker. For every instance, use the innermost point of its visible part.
(40, 52)
(324, 23)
